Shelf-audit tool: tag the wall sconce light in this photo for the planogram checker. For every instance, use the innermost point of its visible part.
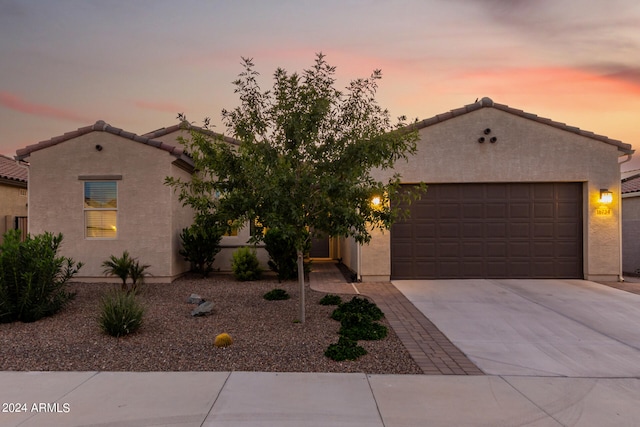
(375, 201)
(606, 196)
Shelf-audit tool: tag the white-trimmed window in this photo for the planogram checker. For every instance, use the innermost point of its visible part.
(100, 209)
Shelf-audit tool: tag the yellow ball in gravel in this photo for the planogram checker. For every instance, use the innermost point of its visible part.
(223, 340)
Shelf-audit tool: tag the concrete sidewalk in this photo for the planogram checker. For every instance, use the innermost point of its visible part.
(224, 399)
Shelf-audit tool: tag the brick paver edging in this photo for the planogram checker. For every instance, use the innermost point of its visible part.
(430, 348)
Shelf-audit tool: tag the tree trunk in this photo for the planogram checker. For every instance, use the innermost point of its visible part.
(301, 280)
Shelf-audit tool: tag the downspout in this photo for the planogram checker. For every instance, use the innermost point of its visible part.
(25, 165)
(620, 276)
(359, 261)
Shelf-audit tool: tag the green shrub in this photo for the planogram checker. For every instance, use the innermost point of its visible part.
(33, 278)
(345, 349)
(125, 267)
(276, 294)
(120, 313)
(283, 256)
(357, 326)
(330, 299)
(245, 264)
(358, 305)
(200, 245)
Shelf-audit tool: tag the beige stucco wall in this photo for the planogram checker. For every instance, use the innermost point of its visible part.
(147, 221)
(13, 203)
(525, 151)
(631, 234)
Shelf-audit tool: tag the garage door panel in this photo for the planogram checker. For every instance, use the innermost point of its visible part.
(491, 230)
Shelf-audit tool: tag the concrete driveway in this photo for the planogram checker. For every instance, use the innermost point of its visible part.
(572, 328)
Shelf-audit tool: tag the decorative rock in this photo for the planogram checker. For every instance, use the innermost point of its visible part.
(203, 308)
(194, 299)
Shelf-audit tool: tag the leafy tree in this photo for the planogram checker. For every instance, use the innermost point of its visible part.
(304, 160)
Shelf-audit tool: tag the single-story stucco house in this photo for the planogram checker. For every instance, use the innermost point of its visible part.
(13, 196)
(631, 222)
(103, 189)
(511, 195)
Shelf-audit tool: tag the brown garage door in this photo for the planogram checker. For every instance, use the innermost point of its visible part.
(507, 230)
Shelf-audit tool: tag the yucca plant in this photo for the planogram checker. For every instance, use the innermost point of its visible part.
(120, 313)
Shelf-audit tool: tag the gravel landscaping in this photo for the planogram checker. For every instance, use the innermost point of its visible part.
(267, 335)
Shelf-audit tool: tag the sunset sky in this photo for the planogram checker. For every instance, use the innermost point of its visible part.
(136, 64)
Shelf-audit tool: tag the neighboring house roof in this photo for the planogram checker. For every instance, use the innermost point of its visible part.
(11, 171)
(631, 184)
(488, 103)
(188, 126)
(101, 126)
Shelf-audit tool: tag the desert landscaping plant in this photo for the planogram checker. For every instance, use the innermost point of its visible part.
(223, 340)
(283, 257)
(344, 349)
(245, 264)
(120, 313)
(330, 299)
(276, 295)
(357, 326)
(126, 267)
(33, 277)
(358, 305)
(200, 245)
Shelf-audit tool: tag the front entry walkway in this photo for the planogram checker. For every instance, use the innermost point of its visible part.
(430, 348)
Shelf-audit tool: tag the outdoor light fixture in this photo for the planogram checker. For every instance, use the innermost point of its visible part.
(606, 196)
(375, 201)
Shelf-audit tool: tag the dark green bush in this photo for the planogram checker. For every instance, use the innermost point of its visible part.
(125, 267)
(120, 313)
(200, 245)
(245, 264)
(283, 256)
(360, 306)
(357, 326)
(33, 278)
(330, 299)
(345, 349)
(276, 294)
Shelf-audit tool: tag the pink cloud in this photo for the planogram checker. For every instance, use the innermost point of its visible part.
(15, 103)
(165, 107)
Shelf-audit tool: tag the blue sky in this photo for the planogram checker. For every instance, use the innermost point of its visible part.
(136, 64)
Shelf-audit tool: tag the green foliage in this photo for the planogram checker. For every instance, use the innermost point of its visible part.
(283, 256)
(360, 306)
(305, 156)
(358, 326)
(200, 245)
(345, 349)
(126, 267)
(331, 299)
(120, 313)
(33, 278)
(245, 264)
(276, 295)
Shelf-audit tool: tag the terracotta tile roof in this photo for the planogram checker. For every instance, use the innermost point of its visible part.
(631, 184)
(488, 103)
(101, 126)
(188, 126)
(11, 171)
